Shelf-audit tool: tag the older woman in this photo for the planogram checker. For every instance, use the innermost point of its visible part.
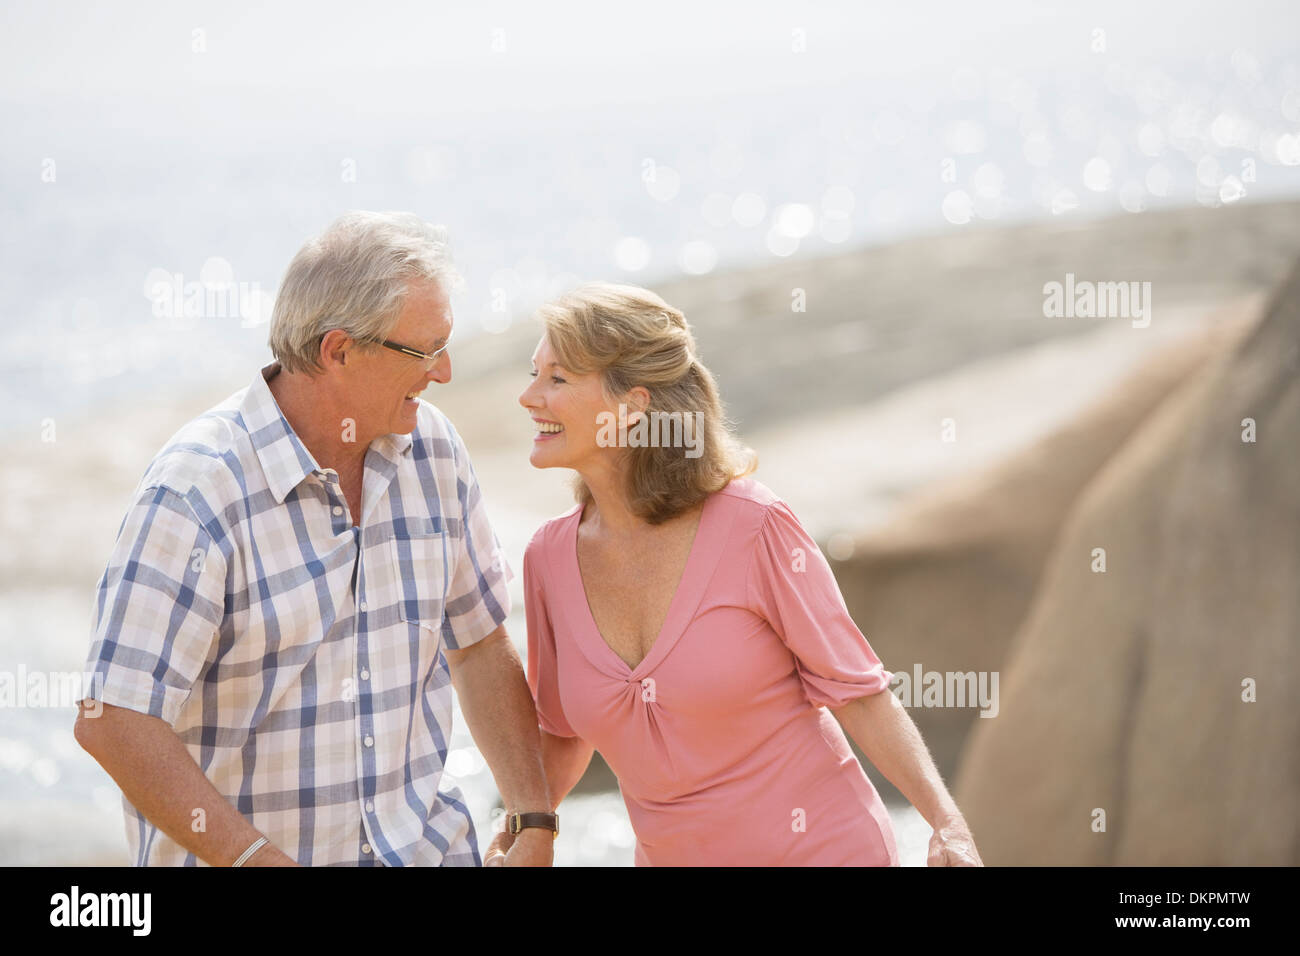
(681, 620)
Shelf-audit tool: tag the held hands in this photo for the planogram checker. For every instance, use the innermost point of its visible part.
(532, 846)
(951, 844)
(496, 851)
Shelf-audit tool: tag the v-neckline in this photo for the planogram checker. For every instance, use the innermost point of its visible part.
(690, 589)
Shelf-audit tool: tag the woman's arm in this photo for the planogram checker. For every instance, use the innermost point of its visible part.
(884, 730)
(564, 760)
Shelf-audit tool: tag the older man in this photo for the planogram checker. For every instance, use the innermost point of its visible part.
(304, 573)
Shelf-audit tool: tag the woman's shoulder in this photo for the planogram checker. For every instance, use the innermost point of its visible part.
(549, 532)
(751, 501)
(749, 494)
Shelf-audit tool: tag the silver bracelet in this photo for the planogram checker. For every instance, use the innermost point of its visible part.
(257, 845)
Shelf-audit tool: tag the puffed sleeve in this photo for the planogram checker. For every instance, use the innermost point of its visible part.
(791, 586)
(543, 677)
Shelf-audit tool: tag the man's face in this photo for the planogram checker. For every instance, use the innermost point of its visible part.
(384, 384)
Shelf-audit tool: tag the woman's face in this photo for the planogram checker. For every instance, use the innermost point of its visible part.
(568, 411)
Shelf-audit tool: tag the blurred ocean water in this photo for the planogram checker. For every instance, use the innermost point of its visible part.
(139, 256)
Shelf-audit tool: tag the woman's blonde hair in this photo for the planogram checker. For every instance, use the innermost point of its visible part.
(632, 337)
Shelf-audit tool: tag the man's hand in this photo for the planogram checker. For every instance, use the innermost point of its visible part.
(159, 777)
(271, 856)
(533, 846)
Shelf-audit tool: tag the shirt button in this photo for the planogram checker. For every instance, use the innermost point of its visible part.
(338, 509)
(363, 605)
(370, 807)
(365, 848)
(365, 674)
(369, 741)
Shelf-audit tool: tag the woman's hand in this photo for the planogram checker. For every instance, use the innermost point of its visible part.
(951, 844)
(531, 847)
(497, 849)
(882, 728)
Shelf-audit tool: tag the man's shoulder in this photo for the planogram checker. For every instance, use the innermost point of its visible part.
(433, 422)
(206, 457)
(437, 438)
(436, 434)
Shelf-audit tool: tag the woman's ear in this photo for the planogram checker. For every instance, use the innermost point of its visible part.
(638, 400)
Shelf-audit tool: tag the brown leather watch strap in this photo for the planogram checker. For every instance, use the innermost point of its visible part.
(546, 821)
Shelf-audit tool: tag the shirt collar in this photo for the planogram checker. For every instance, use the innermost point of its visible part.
(284, 458)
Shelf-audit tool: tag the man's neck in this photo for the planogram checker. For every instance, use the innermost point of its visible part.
(317, 422)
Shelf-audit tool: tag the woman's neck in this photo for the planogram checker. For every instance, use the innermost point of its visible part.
(609, 510)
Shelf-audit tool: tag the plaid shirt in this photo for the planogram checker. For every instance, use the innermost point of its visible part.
(297, 657)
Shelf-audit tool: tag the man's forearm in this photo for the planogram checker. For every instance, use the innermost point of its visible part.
(499, 709)
(159, 777)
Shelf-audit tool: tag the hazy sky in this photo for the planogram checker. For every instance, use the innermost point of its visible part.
(440, 57)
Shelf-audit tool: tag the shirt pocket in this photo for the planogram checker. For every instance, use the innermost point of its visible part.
(419, 556)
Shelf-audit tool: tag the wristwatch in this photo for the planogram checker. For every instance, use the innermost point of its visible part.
(546, 821)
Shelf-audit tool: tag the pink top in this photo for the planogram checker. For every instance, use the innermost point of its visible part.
(724, 751)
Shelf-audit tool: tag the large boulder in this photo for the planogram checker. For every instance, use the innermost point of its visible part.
(1129, 691)
(946, 583)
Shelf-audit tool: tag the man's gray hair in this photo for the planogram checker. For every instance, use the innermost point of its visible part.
(354, 276)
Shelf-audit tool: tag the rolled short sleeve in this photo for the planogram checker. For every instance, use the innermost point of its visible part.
(478, 597)
(158, 608)
(543, 669)
(792, 587)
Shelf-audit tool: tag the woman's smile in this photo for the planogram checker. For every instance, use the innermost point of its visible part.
(547, 430)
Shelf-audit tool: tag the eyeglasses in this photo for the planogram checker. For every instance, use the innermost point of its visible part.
(430, 358)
